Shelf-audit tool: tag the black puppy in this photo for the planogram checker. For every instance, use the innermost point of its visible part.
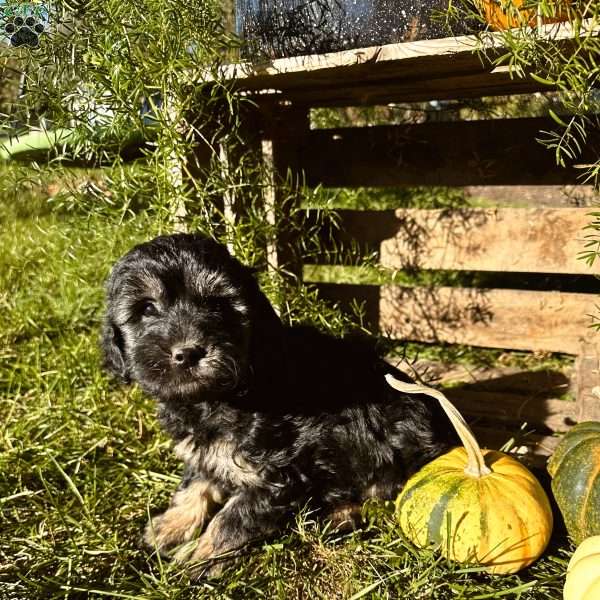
(266, 418)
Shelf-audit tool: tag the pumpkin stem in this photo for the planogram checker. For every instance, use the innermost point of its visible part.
(476, 466)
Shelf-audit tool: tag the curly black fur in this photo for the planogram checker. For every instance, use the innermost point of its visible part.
(265, 417)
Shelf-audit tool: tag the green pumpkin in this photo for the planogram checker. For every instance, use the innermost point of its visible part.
(575, 471)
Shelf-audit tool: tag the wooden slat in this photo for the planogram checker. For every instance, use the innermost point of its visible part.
(357, 229)
(588, 381)
(405, 88)
(462, 239)
(510, 395)
(527, 447)
(512, 319)
(509, 239)
(349, 295)
(281, 154)
(535, 196)
(367, 65)
(556, 415)
(492, 152)
(393, 72)
(540, 383)
(482, 410)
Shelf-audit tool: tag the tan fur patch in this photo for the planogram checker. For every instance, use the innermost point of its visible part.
(189, 510)
(346, 517)
(204, 546)
(220, 460)
(184, 450)
(204, 549)
(201, 549)
(372, 492)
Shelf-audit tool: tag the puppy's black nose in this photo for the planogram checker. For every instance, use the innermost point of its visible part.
(187, 356)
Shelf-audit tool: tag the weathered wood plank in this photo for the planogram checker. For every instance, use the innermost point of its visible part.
(535, 196)
(510, 395)
(587, 367)
(406, 87)
(363, 230)
(537, 240)
(349, 295)
(282, 139)
(526, 446)
(496, 318)
(281, 155)
(462, 239)
(363, 64)
(556, 415)
(490, 152)
(332, 78)
(541, 383)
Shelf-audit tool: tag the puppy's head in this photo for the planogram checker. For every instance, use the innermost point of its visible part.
(181, 315)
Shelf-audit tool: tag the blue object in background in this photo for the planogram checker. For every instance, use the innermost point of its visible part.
(148, 105)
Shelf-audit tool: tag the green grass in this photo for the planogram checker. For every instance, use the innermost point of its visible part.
(83, 462)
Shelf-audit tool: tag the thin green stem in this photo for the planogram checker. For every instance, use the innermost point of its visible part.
(476, 466)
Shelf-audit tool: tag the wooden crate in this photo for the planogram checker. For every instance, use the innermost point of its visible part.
(507, 240)
(496, 240)
(495, 152)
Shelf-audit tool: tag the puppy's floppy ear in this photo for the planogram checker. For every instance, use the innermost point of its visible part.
(114, 350)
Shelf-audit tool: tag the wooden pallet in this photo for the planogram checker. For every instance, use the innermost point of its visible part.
(496, 152)
(507, 240)
(445, 68)
(527, 408)
(500, 240)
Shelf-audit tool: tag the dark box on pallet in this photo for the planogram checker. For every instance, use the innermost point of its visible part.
(278, 28)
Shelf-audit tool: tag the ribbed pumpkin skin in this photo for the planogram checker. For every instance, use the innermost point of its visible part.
(583, 572)
(502, 520)
(575, 471)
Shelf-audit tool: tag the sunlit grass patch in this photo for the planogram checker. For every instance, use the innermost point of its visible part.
(83, 462)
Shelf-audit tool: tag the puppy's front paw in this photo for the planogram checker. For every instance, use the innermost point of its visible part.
(203, 559)
(190, 509)
(172, 528)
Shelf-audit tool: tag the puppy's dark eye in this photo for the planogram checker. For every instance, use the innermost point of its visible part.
(149, 309)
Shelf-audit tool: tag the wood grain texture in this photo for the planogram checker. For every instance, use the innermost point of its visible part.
(490, 152)
(587, 367)
(511, 395)
(506, 239)
(406, 87)
(496, 318)
(556, 415)
(549, 239)
(532, 449)
(406, 71)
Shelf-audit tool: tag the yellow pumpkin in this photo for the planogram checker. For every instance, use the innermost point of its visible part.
(583, 572)
(478, 507)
